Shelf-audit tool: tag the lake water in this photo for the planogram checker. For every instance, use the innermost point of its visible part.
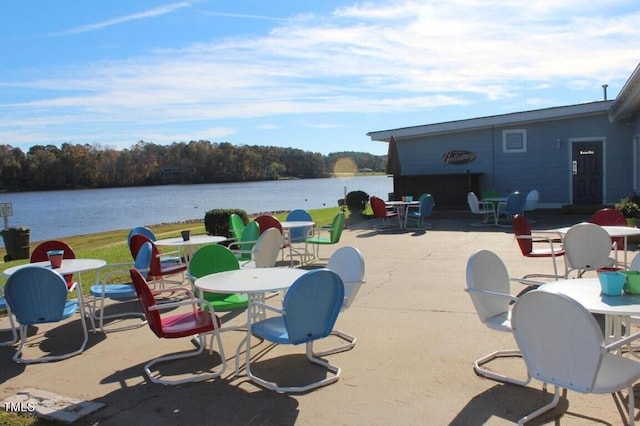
(58, 214)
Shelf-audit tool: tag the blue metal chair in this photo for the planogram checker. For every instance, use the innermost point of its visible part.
(309, 311)
(119, 292)
(513, 206)
(38, 295)
(300, 235)
(12, 329)
(419, 212)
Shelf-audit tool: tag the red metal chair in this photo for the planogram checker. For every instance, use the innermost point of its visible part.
(157, 269)
(380, 211)
(266, 221)
(194, 323)
(526, 242)
(39, 254)
(611, 217)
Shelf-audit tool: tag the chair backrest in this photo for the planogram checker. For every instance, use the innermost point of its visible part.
(147, 300)
(608, 217)
(267, 221)
(425, 194)
(490, 193)
(587, 246)
(265, 252)
(299, 234)
(36, 295)
(487, 272)
(559, 339)
(521, 227)
(141, 230)
(211, 259)
(336, 227)
(378, 206)
(515, 203)
(312, 305)
(426, 205)
(143, 259)
(250, 235)
(236, 226)
(531, 201)
(474, 204)
(635, 263)
(348, 263)
(136, 241)
(39, 254)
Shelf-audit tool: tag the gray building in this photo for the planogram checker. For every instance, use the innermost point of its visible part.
(586, 154)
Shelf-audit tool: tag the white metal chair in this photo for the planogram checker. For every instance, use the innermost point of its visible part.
(348, 263)
(488, 286)
(587, 247)
(484, 208)
(562, 344)
(264, 253)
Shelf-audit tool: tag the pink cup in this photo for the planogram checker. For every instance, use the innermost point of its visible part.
(55, 257)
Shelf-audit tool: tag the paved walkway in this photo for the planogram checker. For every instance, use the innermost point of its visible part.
(418, 335)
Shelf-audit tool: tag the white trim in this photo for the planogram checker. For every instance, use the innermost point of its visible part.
(505, 136)
(636, 163)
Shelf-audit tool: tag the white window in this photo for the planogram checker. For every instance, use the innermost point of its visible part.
(514, 141)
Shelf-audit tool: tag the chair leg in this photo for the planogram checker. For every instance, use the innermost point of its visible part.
(541, 410)
(17, 357)
(477, 366)
(351, 342)
(12, 328)
(200, 345)
(297, 389)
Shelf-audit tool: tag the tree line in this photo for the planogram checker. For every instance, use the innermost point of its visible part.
(72, 166)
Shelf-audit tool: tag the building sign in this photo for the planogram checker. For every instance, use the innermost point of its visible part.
(458, 157)
(6, 209)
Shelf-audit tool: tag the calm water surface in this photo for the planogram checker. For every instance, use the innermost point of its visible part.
(57, 214)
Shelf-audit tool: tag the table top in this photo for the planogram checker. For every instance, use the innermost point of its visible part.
(257, 280)
(69, 266)
(195, 240)
(587, 292)
(495, 199)
(613, 231)
(297, 224)
(401, 203)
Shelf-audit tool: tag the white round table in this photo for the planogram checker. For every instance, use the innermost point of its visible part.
(614, 232)
(186, 247)
(286, 228)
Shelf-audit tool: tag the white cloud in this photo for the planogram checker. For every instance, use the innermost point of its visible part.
(400, 56)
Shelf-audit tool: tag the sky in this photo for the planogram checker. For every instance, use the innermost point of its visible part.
(316, 75)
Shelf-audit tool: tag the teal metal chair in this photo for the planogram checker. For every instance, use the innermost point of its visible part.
(38, 295)
(418, 213)
(309, 311)
(327, 236)
(244, 245)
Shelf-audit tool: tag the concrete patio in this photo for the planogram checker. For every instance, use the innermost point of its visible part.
(418, 335)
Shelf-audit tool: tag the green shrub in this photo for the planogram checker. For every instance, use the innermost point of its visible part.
(357, 201)
(216, 221)
(629, 207)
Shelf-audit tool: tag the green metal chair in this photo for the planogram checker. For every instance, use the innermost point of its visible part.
(320, 236)
(236, 226)
(209, 260)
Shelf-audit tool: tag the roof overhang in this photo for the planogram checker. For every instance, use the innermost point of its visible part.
(547, 114)
(627, 104)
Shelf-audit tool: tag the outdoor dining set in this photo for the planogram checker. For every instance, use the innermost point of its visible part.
(574, 327)
(181, 286)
